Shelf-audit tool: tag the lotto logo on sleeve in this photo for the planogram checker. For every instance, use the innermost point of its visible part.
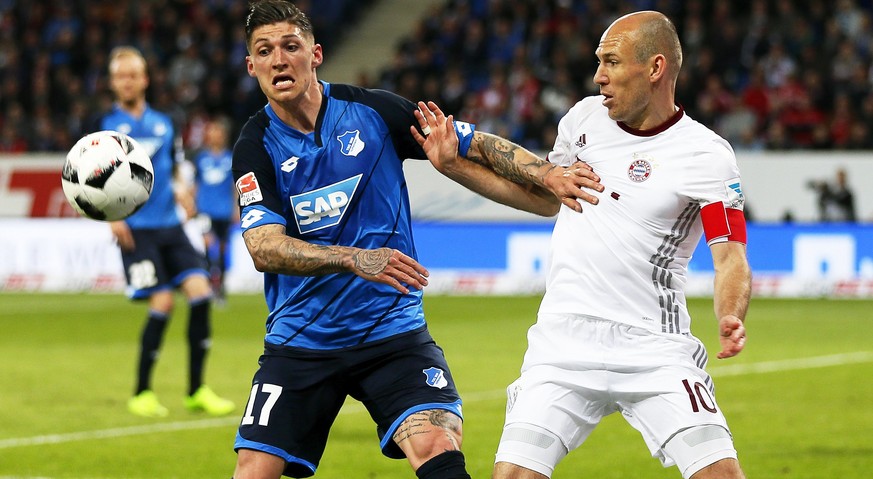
(463, 128)
(249, 191)
(464, 131)
(252, 217)
(325, 206)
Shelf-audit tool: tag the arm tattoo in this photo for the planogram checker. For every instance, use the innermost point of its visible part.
(274, 252)
(509, 160)
(311, 259)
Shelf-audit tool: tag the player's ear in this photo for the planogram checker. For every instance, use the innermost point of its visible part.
(250, 67)
(657, 68)
(317, 55)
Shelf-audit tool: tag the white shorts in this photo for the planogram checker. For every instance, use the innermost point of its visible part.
(579, 369)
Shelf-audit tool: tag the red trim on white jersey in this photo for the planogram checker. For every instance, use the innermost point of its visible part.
(723, 224)
(680, 112)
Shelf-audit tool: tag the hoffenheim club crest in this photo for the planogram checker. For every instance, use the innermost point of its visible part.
(436, 378)
(351, 142)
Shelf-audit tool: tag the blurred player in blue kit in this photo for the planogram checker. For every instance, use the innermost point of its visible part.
(158, 257)
(325, 215)
(215, 198)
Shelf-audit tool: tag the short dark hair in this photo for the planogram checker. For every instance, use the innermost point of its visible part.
(267, 12)
(658, 35)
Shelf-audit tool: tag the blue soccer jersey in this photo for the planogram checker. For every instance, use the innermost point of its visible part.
(342, 184)
(214, 184)
(154, 131)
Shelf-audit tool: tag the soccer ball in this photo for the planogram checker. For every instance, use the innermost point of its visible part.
(107, 176)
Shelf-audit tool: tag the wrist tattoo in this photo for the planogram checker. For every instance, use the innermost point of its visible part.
(545, 173)
(300, 260)
(478, 159)
(333, 264)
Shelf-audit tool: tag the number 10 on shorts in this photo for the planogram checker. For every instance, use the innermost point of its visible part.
(698, 393)
(272, 391)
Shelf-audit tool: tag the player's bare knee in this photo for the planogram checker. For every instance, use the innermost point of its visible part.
(704, 452)
(723, 469)
(196, 286)
(162, 301)
(257, 465)
(505, 470)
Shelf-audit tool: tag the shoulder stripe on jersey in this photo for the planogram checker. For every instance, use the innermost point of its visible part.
(661, 275)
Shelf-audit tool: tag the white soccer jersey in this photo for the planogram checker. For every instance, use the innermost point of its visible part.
(626, 258)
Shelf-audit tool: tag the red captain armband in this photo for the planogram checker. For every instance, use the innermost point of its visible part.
(723, 224)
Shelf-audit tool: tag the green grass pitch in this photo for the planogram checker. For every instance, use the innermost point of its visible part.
(799, 399)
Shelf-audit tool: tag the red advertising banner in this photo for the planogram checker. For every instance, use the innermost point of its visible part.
(30, 186)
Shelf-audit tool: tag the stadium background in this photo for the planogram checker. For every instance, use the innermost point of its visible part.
(787, 82)
(766, 74)
(796, 398)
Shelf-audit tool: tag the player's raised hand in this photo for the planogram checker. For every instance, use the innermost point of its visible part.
(391, 267)
(439, 141)
(732, 335)
(569, 184)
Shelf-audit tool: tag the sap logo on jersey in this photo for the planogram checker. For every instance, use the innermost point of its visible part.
(323, 207)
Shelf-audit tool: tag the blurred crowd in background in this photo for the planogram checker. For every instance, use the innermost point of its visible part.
(765, 74)
(53, 63)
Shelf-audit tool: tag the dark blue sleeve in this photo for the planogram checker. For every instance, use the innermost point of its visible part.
(398, 114)
(250, 156)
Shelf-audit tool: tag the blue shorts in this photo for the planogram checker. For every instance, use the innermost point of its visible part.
(297, 394)
(162, 259)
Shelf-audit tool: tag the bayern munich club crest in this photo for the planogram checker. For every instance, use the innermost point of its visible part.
(639, 170)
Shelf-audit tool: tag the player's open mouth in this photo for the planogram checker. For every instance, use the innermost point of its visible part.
(282, 81)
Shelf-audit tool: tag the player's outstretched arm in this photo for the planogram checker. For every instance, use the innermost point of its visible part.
(273, 251)
(733, 288)
(505, 158)
(441, 147)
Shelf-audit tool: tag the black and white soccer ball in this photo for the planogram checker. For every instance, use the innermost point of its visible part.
(107, 176)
